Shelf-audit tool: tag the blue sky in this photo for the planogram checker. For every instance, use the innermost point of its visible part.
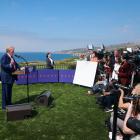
(51, 25)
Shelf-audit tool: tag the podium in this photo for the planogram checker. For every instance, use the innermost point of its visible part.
(26, 72)
(18, 72)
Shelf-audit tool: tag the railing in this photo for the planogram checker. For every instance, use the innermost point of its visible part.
(55, 66)
(60, 66)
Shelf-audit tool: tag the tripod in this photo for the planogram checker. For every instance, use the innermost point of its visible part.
(115, 110)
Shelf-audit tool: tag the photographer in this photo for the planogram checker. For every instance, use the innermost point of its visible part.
(131, 123)
(122, 107)
(134, 112)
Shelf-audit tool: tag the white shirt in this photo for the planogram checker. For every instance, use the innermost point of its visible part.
(116, 69)
(51, 61)
(12, 60)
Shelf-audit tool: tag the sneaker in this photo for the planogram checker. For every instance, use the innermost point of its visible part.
(119, 137)
(89, 93)
(108, 109)
(110, 135)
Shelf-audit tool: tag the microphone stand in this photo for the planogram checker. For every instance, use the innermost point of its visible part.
(27, 74)
(27, 82)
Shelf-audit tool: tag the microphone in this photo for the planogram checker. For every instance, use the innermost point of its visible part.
(18, 56)
(133, 97)
(121, 86)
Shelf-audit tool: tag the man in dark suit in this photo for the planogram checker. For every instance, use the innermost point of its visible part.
(8, 66)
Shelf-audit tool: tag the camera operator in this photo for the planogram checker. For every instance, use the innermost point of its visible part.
(135, 60)
(90, 52)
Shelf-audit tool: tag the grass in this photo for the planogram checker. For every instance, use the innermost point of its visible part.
(73, 116)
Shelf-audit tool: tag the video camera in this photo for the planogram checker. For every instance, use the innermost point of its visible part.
(132, 97)
(100, 51)
(117, 86)
(134, 59)
(134, 124)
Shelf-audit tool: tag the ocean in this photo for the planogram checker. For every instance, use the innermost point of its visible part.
(39, 56)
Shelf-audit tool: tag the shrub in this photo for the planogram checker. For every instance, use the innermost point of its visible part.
(72, 66)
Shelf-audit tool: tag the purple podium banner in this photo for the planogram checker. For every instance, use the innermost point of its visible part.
(66, 76)
(32, 78)
(47, 75)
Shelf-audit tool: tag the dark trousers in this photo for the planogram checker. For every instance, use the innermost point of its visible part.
(106, 101)
(6, 94)
(109, 100)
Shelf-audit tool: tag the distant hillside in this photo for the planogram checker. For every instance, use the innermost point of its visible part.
(71, 51)
(109, 48)
(123, 45)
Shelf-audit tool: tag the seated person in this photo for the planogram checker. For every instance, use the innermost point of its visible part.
(107, 99)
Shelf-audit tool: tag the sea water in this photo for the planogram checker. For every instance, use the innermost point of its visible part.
(39, 56)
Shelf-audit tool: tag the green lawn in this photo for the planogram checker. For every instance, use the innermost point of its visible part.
(73, 116)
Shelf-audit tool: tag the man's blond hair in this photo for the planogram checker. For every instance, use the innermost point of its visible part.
(9, 48)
